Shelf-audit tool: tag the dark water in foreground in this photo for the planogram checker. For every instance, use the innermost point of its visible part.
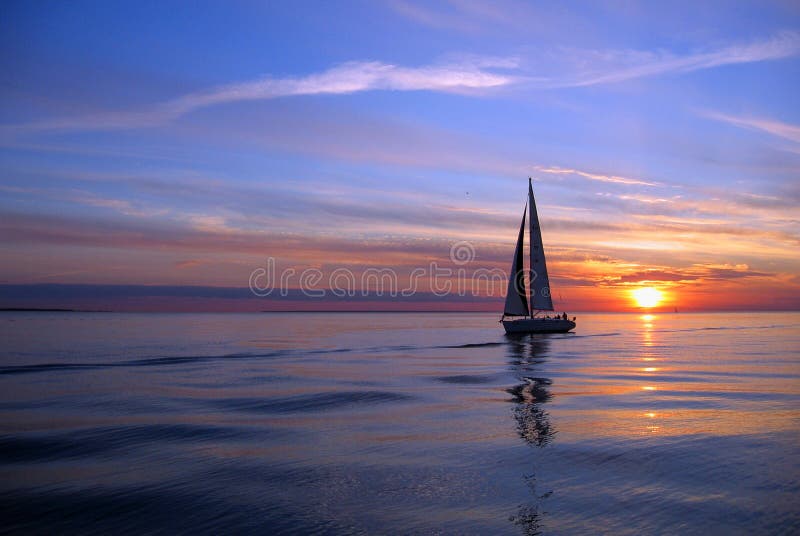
(398, 424)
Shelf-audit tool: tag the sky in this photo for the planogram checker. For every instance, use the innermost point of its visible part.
(346, 155)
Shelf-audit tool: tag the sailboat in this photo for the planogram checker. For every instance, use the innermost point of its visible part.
(530, 316)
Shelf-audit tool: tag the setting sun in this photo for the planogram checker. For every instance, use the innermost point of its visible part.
(647, 296)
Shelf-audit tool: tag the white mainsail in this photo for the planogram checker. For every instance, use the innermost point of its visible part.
(516, 302)
(540, 284)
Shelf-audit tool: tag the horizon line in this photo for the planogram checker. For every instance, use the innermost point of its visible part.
(404, 311)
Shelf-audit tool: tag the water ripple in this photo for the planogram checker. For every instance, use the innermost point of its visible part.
(308, 403)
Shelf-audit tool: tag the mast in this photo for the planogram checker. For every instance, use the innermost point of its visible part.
(540, 283)
(516, 302)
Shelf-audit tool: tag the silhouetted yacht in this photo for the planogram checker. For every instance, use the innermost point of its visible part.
(534, 316)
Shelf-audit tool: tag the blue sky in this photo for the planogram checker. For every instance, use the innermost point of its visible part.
(171, 143)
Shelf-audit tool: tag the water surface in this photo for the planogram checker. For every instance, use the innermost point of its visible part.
(398, 424)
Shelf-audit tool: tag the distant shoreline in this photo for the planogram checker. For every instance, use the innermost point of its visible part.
(383, 311)
(49, 310)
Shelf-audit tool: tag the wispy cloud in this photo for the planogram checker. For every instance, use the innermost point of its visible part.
(461, 15)
(188, 263)
(770, 126)
(119, 205)
(467, 75)
(645, 199)
(555, 170)
(696, 273)
(610, 66)
(85, 198)
(353, 77)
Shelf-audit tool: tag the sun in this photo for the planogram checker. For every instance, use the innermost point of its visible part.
(647, 297)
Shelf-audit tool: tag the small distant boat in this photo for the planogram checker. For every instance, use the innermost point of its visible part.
(534, 317)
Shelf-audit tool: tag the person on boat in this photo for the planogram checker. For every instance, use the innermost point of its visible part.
(564, 316)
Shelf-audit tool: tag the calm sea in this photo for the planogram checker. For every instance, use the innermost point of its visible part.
(398, 424)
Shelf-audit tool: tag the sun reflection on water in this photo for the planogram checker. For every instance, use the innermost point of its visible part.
(649, 355)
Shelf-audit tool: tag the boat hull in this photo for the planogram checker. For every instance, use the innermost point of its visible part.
(538, 325)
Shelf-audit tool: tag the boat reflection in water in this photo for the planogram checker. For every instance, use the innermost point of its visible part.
(532, 421)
